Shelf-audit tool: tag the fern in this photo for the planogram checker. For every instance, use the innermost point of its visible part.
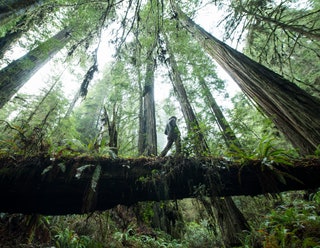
(95, 178)
(266, 151)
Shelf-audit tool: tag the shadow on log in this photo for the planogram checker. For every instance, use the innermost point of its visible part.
(82, 185)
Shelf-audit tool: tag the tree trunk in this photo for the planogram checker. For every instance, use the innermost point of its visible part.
(148, 140)
(16, 74)
(200, 145)
(234, 222)
(142, 123)
(72, 104)
(39, 105)
(112, 129)
(231, 219)
(142, 129)
(228, 134)
(293, 111)
(61, 186)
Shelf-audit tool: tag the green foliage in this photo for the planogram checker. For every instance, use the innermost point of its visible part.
(101, 230)
(67, 238)
(283, 36)
(74, 147)
(145, 211)
(66, 130)
(10, 25)
(250, 125)
(270, 153)
(283, 222)
(130, 239)
(316, 197)
(293, 223)
(25, 140)
(200, 235)
(29, 121)
(267, 150)
(110, 106)
(317, 151)
(33, 125)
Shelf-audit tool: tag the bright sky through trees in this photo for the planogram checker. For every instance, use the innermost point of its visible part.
(206, 18)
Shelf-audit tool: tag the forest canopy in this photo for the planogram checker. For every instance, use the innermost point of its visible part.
(100, 79)
(151, 44)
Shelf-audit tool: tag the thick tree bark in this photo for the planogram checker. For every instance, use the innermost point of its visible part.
(148, 138)
(66, 186)
(150, 112)
(16, 74)
(293, 111)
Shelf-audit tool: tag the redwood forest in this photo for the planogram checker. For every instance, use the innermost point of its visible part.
(160, 123)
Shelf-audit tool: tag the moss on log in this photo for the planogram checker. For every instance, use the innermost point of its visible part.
(81, 185)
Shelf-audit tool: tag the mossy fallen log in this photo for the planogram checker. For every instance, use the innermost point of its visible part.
(81, 185)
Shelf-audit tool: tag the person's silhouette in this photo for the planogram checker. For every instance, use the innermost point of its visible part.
(173, 135)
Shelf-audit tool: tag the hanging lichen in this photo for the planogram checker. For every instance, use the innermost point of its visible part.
(81, 169)
(90, 194)
(95, 178)
(89, 75)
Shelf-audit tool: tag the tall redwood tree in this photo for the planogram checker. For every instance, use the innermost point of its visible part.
(294, 112)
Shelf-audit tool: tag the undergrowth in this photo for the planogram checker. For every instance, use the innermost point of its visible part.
(293, 222)
(286, 220)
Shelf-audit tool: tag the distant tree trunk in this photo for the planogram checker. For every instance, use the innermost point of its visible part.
(89, 74)
(148, 145)
(72, 104)
(200, 145)
(149, 108)
(111, 128)
(233, 221)
(293, 111)
(231, 213)
(142, 128)
(16, 74)
(36, 109)
(227, 132)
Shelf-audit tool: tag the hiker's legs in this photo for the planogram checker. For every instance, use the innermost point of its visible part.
(167, 148)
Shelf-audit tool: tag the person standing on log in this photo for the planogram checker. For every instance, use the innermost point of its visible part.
(173, 135)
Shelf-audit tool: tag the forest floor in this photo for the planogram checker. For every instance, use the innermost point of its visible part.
(15, 233)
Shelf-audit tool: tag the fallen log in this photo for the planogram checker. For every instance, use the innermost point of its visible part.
(80, 185)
